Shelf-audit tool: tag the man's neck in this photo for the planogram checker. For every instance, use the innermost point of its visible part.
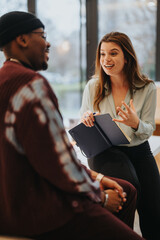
(20, 62)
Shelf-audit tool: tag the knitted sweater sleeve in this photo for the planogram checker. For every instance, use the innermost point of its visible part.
(39, 134)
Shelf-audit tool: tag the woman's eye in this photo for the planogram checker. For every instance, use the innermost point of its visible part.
(113, 53)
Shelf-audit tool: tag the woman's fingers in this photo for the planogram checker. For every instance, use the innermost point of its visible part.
(126, 106)
(122, 114)
(88, 119)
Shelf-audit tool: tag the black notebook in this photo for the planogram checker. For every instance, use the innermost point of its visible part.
(104, 134)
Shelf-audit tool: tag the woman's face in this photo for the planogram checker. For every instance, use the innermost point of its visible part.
(112, 58)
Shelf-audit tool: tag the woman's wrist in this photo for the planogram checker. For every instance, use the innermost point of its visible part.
(136, 125)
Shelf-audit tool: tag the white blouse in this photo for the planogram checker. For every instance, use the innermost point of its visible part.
(144, 101)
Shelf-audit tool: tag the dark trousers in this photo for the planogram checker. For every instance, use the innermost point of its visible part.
(96, 222)
(137, 165)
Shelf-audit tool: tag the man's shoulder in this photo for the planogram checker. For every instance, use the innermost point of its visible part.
(16, 70)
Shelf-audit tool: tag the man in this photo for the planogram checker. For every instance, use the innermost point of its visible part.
(45, 192)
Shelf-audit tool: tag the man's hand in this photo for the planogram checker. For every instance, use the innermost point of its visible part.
(114, 202)
(108, 183)
(116, 195)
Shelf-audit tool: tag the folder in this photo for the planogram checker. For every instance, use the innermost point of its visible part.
(104, 134)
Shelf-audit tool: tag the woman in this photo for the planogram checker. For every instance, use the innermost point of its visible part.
(119, 88)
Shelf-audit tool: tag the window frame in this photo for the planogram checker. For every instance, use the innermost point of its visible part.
(92, 35)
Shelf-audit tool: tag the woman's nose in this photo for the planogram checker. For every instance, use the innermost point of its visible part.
(107, 58)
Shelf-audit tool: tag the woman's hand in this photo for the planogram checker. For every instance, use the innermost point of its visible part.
(129, 115)
(88, 118)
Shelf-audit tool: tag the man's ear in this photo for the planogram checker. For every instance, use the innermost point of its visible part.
(22, 40)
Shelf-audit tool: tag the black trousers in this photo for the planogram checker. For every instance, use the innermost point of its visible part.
(138, 166)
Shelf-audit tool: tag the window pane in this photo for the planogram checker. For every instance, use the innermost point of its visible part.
(136, 18)
(66, 64)
(11, 5)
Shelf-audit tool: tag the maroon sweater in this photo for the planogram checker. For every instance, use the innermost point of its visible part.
(42, 184)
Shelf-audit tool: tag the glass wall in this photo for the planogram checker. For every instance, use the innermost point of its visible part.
(136, 18)
(65, 27)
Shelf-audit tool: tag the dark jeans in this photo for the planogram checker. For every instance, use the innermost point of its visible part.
(96, 222)
(137, 165)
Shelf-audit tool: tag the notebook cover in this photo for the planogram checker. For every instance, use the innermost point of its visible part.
(96, 139)
(89, 140)
(111, 129)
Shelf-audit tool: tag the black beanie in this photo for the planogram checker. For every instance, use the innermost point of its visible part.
(14, 23)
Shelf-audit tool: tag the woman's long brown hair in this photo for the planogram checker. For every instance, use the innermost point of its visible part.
(131, 68)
